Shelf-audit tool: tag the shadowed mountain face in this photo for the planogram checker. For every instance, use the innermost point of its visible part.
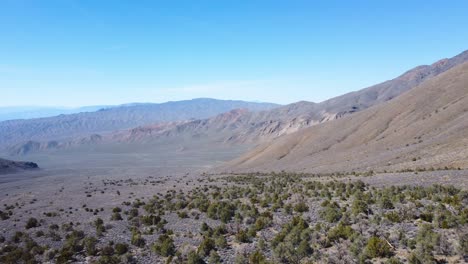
(425, 127)
(8, 166)
(117, 118)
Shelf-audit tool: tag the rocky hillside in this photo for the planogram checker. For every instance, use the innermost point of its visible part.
(242, 126)
(423, 128)
(8, 166)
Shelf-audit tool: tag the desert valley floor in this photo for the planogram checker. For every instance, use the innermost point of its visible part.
(157, 212)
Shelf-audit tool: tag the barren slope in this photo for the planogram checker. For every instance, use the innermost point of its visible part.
(242, 126)
(427, 126)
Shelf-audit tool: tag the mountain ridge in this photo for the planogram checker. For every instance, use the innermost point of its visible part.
(117, 118)
(401, 133)
(241, 126)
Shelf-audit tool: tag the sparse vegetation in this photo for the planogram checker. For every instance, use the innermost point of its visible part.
(284, 217)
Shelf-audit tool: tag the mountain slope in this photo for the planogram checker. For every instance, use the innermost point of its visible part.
(8, 166)
(263, 126)
(124, 117)
(425, 127)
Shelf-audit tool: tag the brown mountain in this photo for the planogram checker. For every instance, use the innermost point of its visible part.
(240, 126)
(424, 127)
(8, 166)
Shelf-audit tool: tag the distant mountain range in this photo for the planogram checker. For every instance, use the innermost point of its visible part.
(117, 118)
(28, 112)
(391, 125)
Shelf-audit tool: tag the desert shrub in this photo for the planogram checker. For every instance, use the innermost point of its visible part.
(331, 213)
(65, 255)
(107, 251)
(385, 202)
(194, 258)
(151, 219)
(221, 242)
(182, 214)
(359, 206)
(100, 228)
(378, 248)
(74, 241)
(54, 236)
(137, 240)
(291, 244)
(206, 246)
(242, 236)
(133, 213)
(426, 241)
(257, 257)
(121, 248)
(261, 223)
(393, 217)
(463, 244)
(164, 246)
(109, 260)
(393, 260)
(31, 223)
(428, 217)
(205, 227)
(214, 258)
(301, 207)
(341, 231)
(116, 217)
(4, 215)
(90, 246)
(444, 218)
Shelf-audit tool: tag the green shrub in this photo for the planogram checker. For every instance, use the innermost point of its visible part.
(214, 258)
(137, 240)
(242, 236)
(359, 206)
(90, 246)
(341, 231)
(206, 246)
(301, 207)
(116, 216)
(32, 222)
(194, 258)
(331, 214)
(121, 248)
(257, 257)
(378, 248)
(164, 246)
(393, 217)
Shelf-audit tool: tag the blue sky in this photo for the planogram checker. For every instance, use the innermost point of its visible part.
(74, 53)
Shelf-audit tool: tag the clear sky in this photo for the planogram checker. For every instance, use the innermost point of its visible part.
(74, 53)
